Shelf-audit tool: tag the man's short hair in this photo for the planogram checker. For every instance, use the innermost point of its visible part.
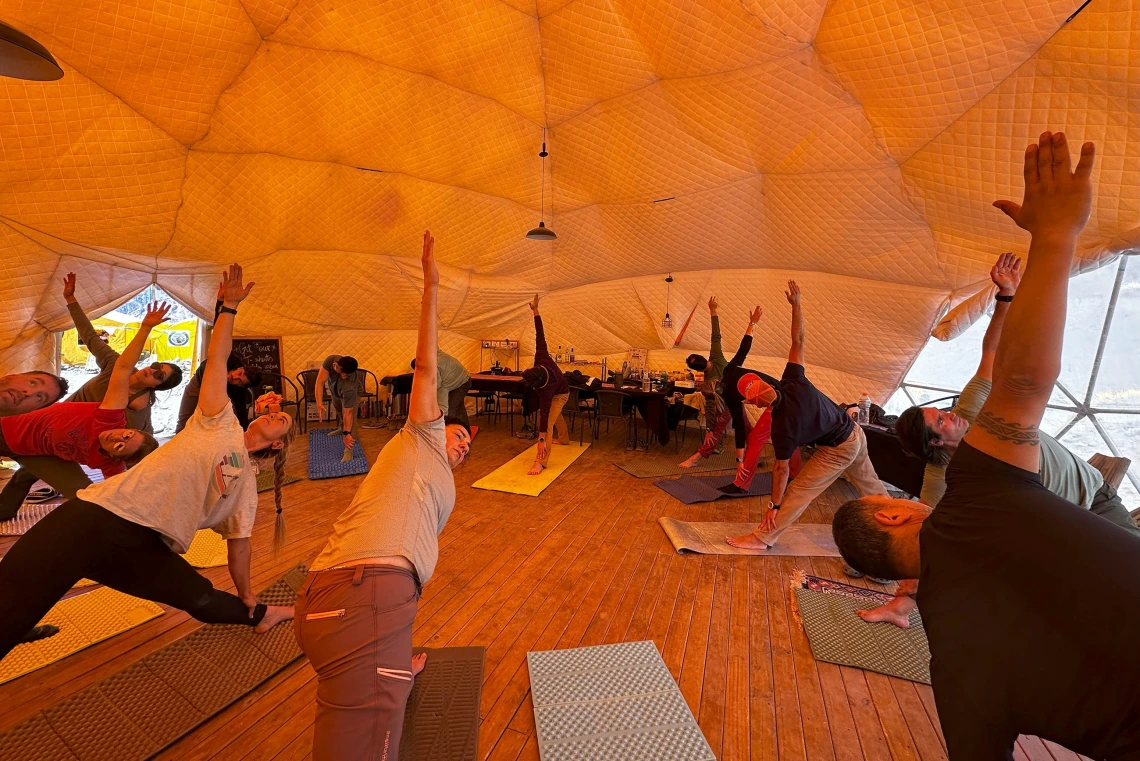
(696, 362)
(171, 380)
(59, 381)
(347, 364)
(915, 437)
(253, 375)
(864, 544)
(449, 420)
(534, 376)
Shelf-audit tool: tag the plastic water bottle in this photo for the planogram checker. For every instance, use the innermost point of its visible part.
(571, 355)
(645, 383)
(865, 409)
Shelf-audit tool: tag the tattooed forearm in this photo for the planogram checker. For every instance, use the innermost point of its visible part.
(1007, 431)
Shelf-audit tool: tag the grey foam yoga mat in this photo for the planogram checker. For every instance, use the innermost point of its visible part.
(694, 489)
(611, 702)
(660, 464)
(135, 713)
(799, 540)
(838, 635)
(442, 719)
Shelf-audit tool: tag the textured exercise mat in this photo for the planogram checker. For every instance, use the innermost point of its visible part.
(83, 620)
(800, 539)
(325, 454)
(28, 516)
(442, 720)
(694, 489)
(135, 713)
(664, 463)
(611, 702)
(513, 479)
(265, 479)
(838, 635)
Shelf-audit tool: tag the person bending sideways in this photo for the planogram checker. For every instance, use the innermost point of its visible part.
(53, 442)
(553, 392)
(355, 611)
(345, 388)
(127, 532)
(30, 391)
(1029, 602)
(452, 384)
(238, 379)
(933, 436)
(802, 415)
(712, 387)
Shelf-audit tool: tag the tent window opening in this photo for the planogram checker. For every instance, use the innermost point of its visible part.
(1095, 406)
(175, 341)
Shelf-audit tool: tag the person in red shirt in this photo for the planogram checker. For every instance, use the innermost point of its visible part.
(54, 441)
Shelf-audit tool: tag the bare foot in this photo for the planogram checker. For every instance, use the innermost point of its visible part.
(896, 612)
(274, 614)
(535, 469)
(418, 663)
(747, 542)
(691, 462)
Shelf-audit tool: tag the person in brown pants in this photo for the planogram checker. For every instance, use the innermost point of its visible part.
(354, 614)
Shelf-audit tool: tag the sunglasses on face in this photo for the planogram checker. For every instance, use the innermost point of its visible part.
(159, 371)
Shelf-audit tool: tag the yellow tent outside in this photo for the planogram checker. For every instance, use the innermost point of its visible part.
(167, 343)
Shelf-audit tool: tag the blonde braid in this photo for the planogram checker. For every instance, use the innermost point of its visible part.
(279, 481)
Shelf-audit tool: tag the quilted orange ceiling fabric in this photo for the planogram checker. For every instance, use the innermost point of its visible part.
(853, 145)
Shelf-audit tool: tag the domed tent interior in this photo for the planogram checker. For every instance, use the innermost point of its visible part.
(690, 149)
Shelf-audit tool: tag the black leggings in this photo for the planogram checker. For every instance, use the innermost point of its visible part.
(83, 540)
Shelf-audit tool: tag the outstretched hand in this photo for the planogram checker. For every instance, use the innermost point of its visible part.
(712, 305)
(1006, 274)
(233, 289)
(793, 293)
(534, 304)
(431, 272)
(755, 315)
(1058, 200)
(155, 314)
(69, 287)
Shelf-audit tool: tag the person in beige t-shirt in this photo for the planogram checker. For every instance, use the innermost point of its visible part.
(355, 611)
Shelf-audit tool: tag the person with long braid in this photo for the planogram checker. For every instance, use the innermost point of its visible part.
(356, 609)
(128, 531)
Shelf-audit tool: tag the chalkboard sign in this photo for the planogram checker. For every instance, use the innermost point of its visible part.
(263, 354)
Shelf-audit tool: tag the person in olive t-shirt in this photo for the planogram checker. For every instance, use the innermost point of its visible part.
(1029, 603)
(345, 388)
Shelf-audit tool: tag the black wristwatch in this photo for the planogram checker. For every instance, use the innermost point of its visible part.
(1003, 299)
(227, 309)
(773, 506)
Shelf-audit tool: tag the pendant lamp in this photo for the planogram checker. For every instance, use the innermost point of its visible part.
(542, 232)
(21, 57)
(668, 321)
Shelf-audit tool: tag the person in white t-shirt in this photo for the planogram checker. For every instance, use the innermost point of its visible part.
(128, 531)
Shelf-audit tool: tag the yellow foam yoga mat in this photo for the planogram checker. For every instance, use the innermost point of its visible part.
(207, 550)
(513, 479)
(83, 620)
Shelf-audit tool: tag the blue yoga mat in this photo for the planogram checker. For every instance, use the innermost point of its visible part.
(324, 456)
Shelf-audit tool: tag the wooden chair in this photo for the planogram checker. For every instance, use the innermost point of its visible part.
(307, 380)
(1112, 468)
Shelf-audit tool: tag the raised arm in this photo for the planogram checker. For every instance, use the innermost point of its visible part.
(424, 408)
(212, 399)
(796, 353)
(746, 340)
(716, 351)
(1006, 274)
(1055, 209)
(118, 392)
(540, 349)
(104, 355)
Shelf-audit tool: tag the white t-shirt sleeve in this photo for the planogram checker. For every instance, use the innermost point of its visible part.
(221, 421)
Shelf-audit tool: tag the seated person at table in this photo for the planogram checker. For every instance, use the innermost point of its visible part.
(553, 391)
(345, 387)
(238, 379)
(1028, 602)
(802, 415)
(51, 443)
(452, 384)
(933, 436)
(357, 606)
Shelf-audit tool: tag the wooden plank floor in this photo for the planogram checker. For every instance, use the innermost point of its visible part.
(584, 564)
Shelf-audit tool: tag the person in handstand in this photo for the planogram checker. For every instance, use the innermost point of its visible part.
(355, 611)
(52, 443)
(933, 436)
(553, 391)
(128, 532)
(1028, 602)
(802, 415)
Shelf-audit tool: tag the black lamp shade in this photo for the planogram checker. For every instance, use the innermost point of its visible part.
(21, 57)
(542, 232)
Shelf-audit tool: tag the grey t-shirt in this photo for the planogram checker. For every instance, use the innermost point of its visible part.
(346, 390)
(95, 389)
(402, 505)
(450, 375)
(1063, 473)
